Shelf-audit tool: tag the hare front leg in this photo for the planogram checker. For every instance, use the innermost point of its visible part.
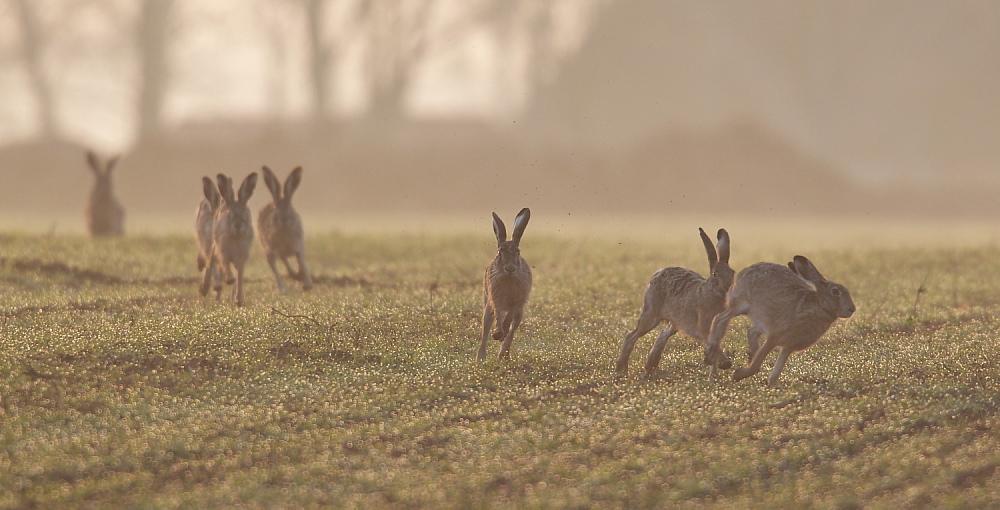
(238, 288)
(753, 342)
(487, 322)
(307, 282)
(274, 269)
(772, 380)
(514, 317)
(653, 358)
(758, 360)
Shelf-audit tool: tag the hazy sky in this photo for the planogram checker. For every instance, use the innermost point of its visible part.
(247, 58)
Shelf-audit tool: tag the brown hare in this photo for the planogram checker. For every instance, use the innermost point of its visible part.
(280, 227)
(507, 284)
(686, 300)
(204, 226)
(232, 233)
(790, 305)
(105, 215)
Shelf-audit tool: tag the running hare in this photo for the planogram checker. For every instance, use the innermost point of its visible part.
(792, 308)
(232, 233)
(105, 215)
(204, 225)
(280, 227)
(507, 284)
(686, 300)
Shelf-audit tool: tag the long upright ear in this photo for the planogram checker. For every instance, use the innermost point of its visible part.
(226, 189)
(292, 182)
(246, 189)
(520, 221)
(723, 245)
(110, 165)
(211, 192)
(94, 163)
(713, 258)
(271, 182)
(499, 229)
(807, 270)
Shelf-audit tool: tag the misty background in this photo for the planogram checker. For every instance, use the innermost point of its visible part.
(765, 107)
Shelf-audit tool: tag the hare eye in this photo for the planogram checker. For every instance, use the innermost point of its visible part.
(835, 291)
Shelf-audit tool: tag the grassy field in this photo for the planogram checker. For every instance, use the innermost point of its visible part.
(120, 386)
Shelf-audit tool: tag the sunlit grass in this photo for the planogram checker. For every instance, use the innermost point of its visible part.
(120, 386)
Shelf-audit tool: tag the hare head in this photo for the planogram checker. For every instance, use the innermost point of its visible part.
(283, 213)
(720, 274)
(832, 298)
(240, 220)
(510, 251)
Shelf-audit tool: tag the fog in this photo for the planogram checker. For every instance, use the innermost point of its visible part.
(456, 108)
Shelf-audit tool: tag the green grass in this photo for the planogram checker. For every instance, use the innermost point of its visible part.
(120, 386)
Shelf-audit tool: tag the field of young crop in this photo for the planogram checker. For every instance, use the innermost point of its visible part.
(121, 386)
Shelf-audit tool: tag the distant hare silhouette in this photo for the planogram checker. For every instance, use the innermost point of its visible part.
(105, 215)
(281, 232)
(792, 306)
(686, 300)
(506, 286)
(232, 233)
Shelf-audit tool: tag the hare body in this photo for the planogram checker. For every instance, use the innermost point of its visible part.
(507, 285)
(792, 306)
(686, 300)
(204, 226)
(232, 233)
(105, 215)
(281, 232)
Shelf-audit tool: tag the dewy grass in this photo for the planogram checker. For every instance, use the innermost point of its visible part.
(121, 386)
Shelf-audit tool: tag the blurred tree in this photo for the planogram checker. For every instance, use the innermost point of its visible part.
(151, 36)
(32, 50)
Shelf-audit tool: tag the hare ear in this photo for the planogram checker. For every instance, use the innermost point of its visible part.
(723, 245)
(520, 222)
(94, 163)
(271, 182)
(246, 189)
(791, 265)
(499, 229)
(226, 189)
(713, 258)
(292, 182)
(807, 270)
(211, 193)
(110, 165)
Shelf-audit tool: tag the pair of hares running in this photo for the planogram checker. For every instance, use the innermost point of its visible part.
(792, 306)
(224, 229)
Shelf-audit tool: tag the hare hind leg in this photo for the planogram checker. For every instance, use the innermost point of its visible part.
(647, 321)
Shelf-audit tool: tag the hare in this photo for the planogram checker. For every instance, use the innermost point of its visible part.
(232, 234)
(686, 300)
(280, 227)
(507, 284)
(792, 306)
(105, 215)
(204, 225)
